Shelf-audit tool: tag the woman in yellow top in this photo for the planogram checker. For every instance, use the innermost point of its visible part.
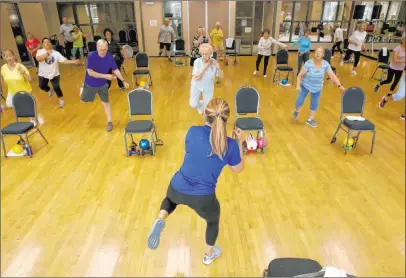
(15, 75)
(77, 37)
(217, 37)
(17, 78)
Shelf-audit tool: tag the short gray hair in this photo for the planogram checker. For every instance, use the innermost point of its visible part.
(101, 41)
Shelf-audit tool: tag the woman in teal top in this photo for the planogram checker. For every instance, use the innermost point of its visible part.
(305, 44)
(311, 79)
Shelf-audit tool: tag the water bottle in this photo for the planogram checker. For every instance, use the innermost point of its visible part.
(28, 150)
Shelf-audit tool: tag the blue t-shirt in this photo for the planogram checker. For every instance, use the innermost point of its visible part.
(305, 44)
(314, 78)
(99, 65)
(200, 170)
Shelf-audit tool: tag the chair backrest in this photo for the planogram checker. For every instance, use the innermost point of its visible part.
(140, 102)
(232, 45)
(381, 58)
(96, 38)
(247, 100)
(132, 34)
(180, 45)
(352, 101)
(122, 36)
(327, 55)
(214, 55)
(282, 57)
(142, 60)
(91, 46)
(24, 105)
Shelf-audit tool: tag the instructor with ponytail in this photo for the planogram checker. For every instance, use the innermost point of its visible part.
(208, 150)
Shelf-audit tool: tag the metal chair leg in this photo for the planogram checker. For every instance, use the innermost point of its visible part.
(42, 135)
(373, 141)
(348, 139)
(125, 143)
(274, 74)
(4, 145)
(357, 138)
(335, 133)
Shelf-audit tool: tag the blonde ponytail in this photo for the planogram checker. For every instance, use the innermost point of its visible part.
(217, 113)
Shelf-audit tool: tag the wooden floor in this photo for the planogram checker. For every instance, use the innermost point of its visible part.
(80, 207)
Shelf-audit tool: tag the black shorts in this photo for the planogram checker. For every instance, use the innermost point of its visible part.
(166, 45)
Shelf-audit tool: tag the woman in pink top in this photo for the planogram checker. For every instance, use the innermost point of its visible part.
(396, 67)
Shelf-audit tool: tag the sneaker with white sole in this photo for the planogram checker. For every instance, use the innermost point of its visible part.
(61, 103)
(402, 117)
(215, 253)
(51, 92)
(382, 102)
(265, 76)
(295, 115)
(255, 72)
(354, 73)
(311, 123)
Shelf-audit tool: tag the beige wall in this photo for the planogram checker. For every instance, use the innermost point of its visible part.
(7, 38)
(151, 12)
(196, 19)
(51, 18)
(218, 11)
(36, 25)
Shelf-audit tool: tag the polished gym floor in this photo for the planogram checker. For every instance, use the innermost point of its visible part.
(80, 207)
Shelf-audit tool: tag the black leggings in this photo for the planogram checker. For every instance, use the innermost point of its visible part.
(336, 45)
(357, 55)
(43, 84)
(206, 206)
(391, 73)
(266, 60)
(120, 83)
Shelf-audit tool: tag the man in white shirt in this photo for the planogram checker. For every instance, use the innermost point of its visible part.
(338, 38)
(356, 45)
(205, 70)
(65, 31)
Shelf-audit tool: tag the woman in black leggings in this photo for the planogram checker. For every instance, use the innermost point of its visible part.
(208, 150)
(116, 50)
(396, 67)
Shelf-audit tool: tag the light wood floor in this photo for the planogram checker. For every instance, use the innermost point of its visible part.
(79, 207)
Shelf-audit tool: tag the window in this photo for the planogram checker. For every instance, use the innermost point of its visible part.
(173, 11)
(301, 9)
(329, 12)
(384, 10)
(93, 17)
(393, 11)
(369, 7)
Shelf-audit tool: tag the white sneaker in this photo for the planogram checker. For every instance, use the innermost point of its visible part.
(354, 73)
(265, 76)
(51, 92)
(255, 72)
(200, 107)
(214, 255)
(61, 103)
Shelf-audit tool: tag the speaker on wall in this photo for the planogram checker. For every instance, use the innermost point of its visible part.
(359, 12)
(376, 12)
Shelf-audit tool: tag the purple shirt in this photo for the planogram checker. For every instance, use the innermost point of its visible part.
(99, 65)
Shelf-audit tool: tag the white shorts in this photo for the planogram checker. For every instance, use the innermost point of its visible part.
(9, 100)
(195, 92)
(400, 94)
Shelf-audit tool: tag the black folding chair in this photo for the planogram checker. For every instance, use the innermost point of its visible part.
(382, 63)
(282, 60)
(232, 51)
(24, 107)
(327, 58)
(247, 102)
(140, 103)
(352, 102)
(141, 68)
(179, 51)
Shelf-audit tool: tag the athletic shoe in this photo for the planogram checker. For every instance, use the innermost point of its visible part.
(402, 117)
(382, 102)
(265, 76)
(51, 92)
(354, 73)
(311, 123)
(109, 126)
(216, 252)
(295, 115)
(61, 103)
(255, 72)
(155, 234)
(376, 88)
